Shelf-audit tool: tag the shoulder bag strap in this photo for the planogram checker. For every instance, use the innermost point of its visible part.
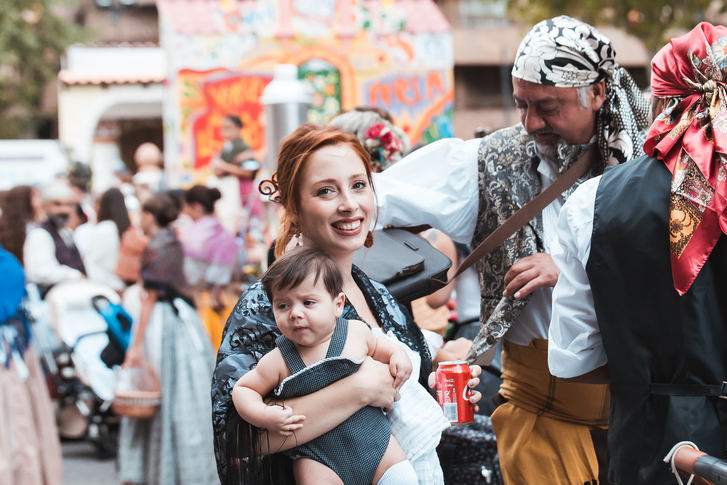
(526, 213)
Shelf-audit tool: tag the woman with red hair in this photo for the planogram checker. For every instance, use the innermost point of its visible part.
(323, 182)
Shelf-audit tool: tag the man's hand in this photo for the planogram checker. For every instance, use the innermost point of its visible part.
(400, 367)
(530, 273)
(281, 420)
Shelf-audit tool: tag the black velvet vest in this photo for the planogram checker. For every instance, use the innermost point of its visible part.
(663, 350)
(65, 254)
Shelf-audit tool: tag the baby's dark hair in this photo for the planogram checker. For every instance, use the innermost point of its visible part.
(293, 267)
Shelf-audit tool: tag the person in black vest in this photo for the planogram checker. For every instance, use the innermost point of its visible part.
(643, 256)
(49, 254)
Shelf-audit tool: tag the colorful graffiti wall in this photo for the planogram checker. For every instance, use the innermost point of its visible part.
(395, 55)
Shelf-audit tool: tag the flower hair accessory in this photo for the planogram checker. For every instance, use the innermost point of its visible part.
(384, 142)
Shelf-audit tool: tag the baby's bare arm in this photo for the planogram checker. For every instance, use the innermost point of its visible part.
(247, 396)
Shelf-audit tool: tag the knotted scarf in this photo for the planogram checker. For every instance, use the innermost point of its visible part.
(690, 137)
(567, 53)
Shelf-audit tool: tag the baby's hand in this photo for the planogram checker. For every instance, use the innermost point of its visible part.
(281, 420)
(400, 367)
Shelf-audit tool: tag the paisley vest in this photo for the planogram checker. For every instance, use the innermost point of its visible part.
(508, 179)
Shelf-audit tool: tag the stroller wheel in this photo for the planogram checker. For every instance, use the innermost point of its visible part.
(71, 423)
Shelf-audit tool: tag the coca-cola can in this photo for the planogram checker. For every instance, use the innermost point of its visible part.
(452, 391)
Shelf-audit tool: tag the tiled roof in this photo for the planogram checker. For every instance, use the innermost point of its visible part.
(206, 16)
(69, 77)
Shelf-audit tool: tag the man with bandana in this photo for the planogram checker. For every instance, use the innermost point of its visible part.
(643, 255)
(50, 254)
(570, 94)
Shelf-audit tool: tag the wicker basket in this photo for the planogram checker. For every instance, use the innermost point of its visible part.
(138, 403)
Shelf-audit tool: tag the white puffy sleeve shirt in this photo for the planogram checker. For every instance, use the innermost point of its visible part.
(435, 185)
(575, 346)
(39, 260)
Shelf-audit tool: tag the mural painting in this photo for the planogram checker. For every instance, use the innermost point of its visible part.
(395, 55)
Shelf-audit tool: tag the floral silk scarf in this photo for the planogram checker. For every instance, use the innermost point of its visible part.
(690, 137)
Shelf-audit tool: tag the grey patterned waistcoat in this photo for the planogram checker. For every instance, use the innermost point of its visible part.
(508, 179)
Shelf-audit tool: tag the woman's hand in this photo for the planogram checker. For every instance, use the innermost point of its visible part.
(475, 396)
(375, 385)
(453, 350)
(133, 357)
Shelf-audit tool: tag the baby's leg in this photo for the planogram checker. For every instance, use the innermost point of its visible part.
(394, 469)
(310, 472)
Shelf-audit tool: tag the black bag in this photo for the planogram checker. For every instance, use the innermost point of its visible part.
(406, 263)
(468, 454)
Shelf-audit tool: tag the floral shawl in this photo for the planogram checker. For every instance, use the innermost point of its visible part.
(249, 334)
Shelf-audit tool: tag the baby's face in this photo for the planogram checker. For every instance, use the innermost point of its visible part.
(307, 313)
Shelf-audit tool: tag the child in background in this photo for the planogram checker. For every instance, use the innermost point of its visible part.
(317, 348)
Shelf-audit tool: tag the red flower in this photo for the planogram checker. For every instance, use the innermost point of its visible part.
(374, 130)
(387, 138)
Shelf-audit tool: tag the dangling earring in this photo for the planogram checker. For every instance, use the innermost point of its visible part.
(297, 235)
(369, 240)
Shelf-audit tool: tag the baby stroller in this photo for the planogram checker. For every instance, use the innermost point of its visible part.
(73, 333)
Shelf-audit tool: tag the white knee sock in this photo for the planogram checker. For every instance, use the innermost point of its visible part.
(400, 474)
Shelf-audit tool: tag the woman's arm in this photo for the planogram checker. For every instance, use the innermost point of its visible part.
(443, 243)
(133, 354)
(325, 409)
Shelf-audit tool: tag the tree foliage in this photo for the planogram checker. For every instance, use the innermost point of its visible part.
(652, 21)
(33, 36)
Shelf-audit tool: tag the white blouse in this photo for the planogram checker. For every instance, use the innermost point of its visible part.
(575, 345)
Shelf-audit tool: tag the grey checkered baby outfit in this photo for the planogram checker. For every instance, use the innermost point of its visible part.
(354, 448)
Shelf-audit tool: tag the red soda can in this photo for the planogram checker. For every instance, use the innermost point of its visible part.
(452, 391)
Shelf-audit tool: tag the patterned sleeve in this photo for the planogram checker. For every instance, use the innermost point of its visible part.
(249, 334)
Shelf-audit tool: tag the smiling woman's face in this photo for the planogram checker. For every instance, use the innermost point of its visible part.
(336, 200)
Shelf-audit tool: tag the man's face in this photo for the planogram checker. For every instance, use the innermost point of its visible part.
(553, 115)
(59, 210)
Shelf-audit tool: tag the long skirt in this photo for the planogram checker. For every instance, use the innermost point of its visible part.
(175, 446)
(30, 453)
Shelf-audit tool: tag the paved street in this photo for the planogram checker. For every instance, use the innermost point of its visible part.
(82, 467)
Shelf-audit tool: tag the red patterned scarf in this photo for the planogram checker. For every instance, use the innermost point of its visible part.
(690, 137)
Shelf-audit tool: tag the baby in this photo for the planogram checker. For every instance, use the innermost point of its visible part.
(319, 347)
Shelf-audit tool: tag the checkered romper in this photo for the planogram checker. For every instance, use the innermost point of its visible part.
(354, 448)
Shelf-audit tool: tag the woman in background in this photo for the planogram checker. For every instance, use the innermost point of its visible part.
(30, 453)
(175, 446)
(100, 243)
(20, 210)
(210, 255)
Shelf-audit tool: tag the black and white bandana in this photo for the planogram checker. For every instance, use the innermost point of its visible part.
(567, 53)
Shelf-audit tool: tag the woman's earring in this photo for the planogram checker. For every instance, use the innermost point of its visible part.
(297, 235)
(369, 240)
